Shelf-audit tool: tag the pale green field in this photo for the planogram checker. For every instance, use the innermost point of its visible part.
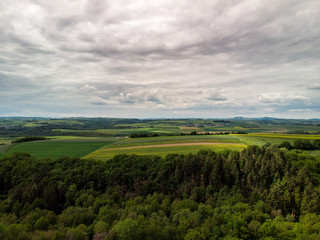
(137, 130)
(3, 147)
(5, 143)
(6, 140)
(107, 147)
(289, 136)
(117, 147)
(77, 146)
(273, 138)
(108, 153)
(175, 139)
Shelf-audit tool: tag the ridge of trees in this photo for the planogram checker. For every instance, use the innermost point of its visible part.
(29, 139)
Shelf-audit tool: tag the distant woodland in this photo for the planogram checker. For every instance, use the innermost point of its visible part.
(260, 193)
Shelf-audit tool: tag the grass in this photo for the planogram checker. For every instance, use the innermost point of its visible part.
(56, 149)
(287, 136)
(137, 130)
(3, 147)
(273, 138)
(6, 140)
(113, 149)
(108, 153)
(5, 143)
(174, 139)
(106, 147)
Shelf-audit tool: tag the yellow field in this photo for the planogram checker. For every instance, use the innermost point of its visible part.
(108, 153)
(189, 128)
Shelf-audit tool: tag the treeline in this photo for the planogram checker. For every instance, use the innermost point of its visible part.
(46, 131)
(259, 193)
(301, 144)
(143, 134)
(91, 123)
(203, 133)
(213, 133)
(29, 139)
(26, 131)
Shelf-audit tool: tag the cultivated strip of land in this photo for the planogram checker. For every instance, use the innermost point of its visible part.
(162, 149)
(173, 144)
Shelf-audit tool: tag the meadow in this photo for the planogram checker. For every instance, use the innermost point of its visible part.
(273, 138)
(108, 153)
(59, 147)
(5, 142)
(127, 142)
(106, 148)
(141, 146)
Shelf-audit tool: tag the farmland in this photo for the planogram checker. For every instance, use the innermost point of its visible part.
(108, 153)
(103, 138)
(170, 144)
(55, 148)
(273, 138)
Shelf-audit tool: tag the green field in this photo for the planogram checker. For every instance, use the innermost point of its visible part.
(56, 149)
(152, 145)
(3, 147)
(108, 153)
(77, 146)
(5, 143)
(272, 138)
(6, 140)
(84, 136)
(159, 130)
(128, 142)
(107, 147)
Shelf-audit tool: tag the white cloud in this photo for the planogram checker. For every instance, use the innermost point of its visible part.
(281, 98)
(224, 58)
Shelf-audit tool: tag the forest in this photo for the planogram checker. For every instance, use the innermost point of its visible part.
(264, 192)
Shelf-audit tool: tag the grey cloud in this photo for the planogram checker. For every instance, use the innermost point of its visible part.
(315, 86)
(217, 97)
(162, 57)
(282, 99)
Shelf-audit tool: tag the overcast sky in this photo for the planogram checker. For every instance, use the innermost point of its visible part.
(145, 59)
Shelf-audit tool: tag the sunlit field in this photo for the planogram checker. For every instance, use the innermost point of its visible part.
(108, 153)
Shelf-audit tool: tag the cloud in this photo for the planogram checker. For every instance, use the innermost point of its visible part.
(282, 98)
(145, 58)
(315, 86)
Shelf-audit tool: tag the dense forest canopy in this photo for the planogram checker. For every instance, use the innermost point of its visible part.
(259, 193)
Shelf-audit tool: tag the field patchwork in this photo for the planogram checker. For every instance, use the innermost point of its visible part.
(108, 153)
(165, 145)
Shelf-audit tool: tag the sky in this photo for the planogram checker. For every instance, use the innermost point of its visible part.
(160, 58)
